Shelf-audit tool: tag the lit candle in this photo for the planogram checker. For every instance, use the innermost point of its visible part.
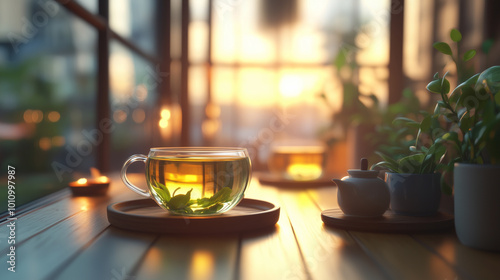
(90, 187)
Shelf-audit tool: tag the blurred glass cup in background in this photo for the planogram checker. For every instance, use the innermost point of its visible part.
(298, 162)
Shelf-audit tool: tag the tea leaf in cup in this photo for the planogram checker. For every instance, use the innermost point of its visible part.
(210, 210)
(180, 201)
(214, 203)
(221, 196)
(162, 191)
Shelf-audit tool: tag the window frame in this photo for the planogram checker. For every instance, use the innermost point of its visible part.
(100, 21)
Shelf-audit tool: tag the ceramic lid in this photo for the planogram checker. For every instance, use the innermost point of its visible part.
(356, 173)
(363, 172)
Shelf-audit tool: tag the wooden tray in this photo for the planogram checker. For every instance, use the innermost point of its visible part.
(277, 181)
(389, 222)
(146, 216)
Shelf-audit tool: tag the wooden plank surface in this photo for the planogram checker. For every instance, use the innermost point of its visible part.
(273, 255)
(41, 253)
(43, 218)
(327, 253)
(400, 255)
(112, 256)
(190, 257)
(469, 262)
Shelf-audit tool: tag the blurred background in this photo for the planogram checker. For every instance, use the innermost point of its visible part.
(88, 83)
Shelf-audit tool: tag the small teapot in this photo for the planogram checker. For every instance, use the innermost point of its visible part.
(362, 194)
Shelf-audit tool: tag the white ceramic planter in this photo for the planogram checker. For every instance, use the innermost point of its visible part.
(477, 205)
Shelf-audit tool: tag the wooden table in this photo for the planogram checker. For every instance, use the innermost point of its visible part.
(66, 237)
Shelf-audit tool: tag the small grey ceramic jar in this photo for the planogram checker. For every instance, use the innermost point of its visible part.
(414, 194)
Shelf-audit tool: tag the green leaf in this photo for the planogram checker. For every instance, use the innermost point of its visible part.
(469, 55)
(439, 86)
(466, 122)
(437, 109)
(450, 117)
(222, 195)
(210, 210)
(387, 162)
(455, 35)
(162, 191)
(425, 124)
(468, 83)
(173, 194)
(203, 202)
(479, 132)
(434, 86)
(180, 201)
(406, 121)
(410, 164)
(432, 156)
(467, 99)
(386, 165)
(445, 86)
(488, 113)
(442, 47)
(443, 104)
(452, 136)
(489, 80)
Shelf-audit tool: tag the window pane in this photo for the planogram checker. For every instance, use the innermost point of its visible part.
(133, 85)
(198, 31)
(90, 5)
(135, 21)
(237, 34)
(197, 90)
(47, 97)
(267, 58)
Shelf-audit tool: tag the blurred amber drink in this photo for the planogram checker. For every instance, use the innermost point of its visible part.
(298, 163)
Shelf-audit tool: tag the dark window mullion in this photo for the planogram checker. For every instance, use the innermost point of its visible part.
(103, 100)
(184, 98)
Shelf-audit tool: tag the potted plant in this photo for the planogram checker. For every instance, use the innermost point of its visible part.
(413, 180)
(472, 111)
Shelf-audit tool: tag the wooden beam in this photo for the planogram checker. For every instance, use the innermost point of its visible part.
(102, 100)
(184, 98)
(101, 23)
(396, 28)
(162, 22)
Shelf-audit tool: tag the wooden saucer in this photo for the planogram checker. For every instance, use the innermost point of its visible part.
(146, 216)
(389, 222)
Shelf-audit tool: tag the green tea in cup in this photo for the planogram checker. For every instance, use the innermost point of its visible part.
(298, 163)
(194, 181)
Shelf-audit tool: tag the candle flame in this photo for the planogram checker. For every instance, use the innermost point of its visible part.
(102, 179)
(82, 181)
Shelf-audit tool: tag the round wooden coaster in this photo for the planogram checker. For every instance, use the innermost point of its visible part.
(274, 180)
(389, 222)
(146, 216)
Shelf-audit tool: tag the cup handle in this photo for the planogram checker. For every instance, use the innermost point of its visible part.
(125, 180)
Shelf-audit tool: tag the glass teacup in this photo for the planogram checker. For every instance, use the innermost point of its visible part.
(194, 181)
(297, 162)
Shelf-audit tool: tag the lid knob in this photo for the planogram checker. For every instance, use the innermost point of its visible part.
(364, 164)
